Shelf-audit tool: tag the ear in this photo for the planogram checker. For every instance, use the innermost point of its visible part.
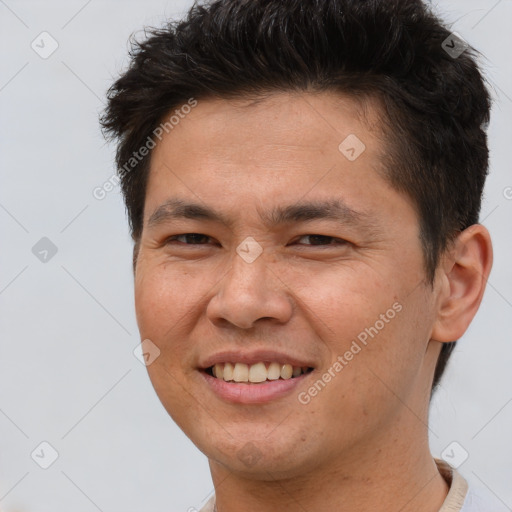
(463, 276)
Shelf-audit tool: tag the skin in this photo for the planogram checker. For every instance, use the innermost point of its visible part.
(362, 442)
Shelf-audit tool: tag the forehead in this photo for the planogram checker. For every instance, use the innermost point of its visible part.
(269, 151)
(289, 119)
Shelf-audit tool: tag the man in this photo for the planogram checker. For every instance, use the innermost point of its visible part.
(303, 181)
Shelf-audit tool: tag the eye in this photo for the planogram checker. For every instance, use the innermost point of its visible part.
(195, 237)
(318, 239)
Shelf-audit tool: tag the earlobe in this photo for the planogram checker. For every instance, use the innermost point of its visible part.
(464, 273)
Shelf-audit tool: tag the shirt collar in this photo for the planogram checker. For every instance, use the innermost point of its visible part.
(458, 487)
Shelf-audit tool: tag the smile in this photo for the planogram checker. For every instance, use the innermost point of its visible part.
(256, 373)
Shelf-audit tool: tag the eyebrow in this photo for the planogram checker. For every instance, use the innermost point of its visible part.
(331, 209)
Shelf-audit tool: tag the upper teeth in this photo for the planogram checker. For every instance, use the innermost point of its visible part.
(259, 372)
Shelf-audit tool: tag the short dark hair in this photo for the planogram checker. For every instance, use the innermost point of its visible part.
(434, 103)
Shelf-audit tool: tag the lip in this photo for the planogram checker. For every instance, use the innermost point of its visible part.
(253, 357)
(246, 393)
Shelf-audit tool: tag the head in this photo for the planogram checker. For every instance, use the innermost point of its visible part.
(248, 108)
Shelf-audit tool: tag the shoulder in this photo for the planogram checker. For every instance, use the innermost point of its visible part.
(480, 500)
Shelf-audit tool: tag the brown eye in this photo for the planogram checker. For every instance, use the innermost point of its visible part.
(194, 238)
(323, 240)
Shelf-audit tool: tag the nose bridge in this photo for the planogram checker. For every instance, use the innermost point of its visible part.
(249, 290)
(249, 273)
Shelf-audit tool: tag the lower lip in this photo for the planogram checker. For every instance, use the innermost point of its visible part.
(243, 393)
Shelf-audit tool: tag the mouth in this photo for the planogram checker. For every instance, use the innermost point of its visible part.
(258, 373)
(258, 376)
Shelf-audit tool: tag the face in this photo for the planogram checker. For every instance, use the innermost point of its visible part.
(271, 253)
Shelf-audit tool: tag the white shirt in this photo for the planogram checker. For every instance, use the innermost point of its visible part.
(460, 497)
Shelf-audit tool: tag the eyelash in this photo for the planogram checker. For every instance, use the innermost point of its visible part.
(340, 241)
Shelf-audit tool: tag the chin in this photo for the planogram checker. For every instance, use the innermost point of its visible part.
(262, 459)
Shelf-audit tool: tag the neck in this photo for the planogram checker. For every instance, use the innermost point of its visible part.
(400, 476)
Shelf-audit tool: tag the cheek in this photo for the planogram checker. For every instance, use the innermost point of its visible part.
(387, 369)
(342, 302)
(376, 336)
(164, 308)
(165, 301)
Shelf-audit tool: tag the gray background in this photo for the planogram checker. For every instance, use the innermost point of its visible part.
(68, 375)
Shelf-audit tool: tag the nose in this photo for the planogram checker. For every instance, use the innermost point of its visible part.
(249, 292)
